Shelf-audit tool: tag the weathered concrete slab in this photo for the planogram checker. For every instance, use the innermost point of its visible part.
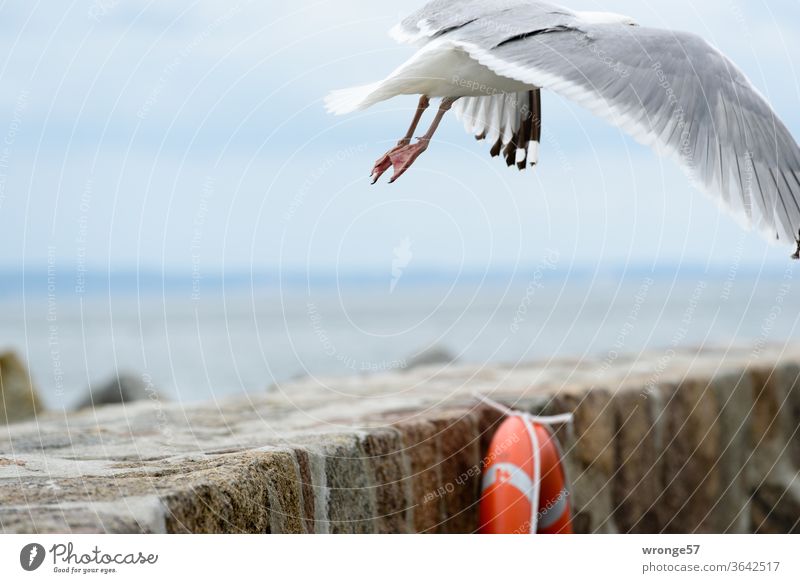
(684, 442)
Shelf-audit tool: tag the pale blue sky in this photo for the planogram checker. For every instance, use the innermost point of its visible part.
(180, 134)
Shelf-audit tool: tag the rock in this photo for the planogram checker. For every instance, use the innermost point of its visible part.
(435, 355)
(692, 452)
(593, 424)
(400, 452)
(251, 492)
(774, 477)
(489, 421)
(20, 400)
(734, 394)
(589, 449)
(423, 476)
(776, 507)
(307, 489)
(351, 507)
(767, 405)
(459, 448)
(384, 450)
(125, 388)
(789, 376)
(637, 479)
(143, 515)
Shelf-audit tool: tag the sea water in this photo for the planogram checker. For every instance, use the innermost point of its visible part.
(245, 336)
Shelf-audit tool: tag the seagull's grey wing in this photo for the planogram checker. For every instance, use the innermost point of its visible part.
(511, 122)
(670, 90)
(442, 16)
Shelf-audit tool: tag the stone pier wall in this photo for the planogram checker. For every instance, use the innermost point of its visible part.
(671, 442)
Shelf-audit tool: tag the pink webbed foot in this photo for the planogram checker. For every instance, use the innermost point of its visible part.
(384, 163)
(403, 158)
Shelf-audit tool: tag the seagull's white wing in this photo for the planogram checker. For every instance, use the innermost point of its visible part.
(442, 16)
(672, 91)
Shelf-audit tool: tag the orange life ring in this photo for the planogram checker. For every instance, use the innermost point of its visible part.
(510, 486)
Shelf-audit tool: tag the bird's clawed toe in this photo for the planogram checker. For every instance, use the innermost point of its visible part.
(381, 166)
(402, 158)
(385, 162)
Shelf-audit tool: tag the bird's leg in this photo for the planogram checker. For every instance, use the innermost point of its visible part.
(382, 165)
(404, 157)
(796, 256)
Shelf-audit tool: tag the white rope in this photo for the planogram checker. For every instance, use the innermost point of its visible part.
(548, 420)
(529, 421)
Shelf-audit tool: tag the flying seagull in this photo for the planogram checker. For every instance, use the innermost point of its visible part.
(490, 59)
